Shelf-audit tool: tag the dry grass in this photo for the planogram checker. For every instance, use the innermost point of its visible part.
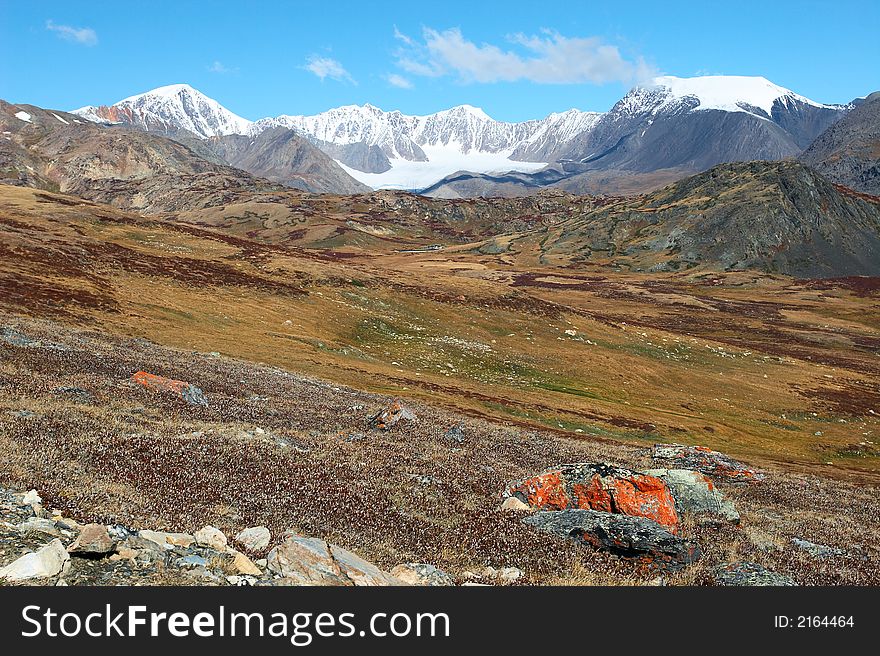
(149, 461)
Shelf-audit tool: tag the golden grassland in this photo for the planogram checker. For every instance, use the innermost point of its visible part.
(762, 366)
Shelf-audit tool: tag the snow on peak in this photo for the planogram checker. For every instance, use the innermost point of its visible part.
(170, 108)
(731, 93)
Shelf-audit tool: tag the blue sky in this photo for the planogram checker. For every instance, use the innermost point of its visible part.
(516, 60)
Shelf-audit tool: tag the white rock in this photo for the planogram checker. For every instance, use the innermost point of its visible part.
(243, 564)
(512, 503)
(211, 536)
(31, 498)
(167, 540)
(255, 538)
(44, 563)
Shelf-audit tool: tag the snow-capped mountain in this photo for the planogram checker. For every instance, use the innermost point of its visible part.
(686, 123)
(170, 109)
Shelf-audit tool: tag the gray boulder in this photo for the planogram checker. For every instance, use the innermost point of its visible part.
(625, 535)
(748, 574)
(695, 493)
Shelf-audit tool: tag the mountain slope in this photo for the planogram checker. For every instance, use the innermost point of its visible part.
(283, 156)
(780, 217)
(187, 115)
(672, 124)
(696, 123)
(849, 151)
(169, 110)
(57, 151)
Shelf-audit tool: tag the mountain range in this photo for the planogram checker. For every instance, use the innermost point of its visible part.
(656, 133)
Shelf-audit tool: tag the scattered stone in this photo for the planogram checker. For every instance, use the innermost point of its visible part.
(505, 575)
(705, 460)
(211, 536)
(93, 540)
(243, 564)
(359, 571)
(44, 563)
(78, 393)
(310, 561)
(456, 434)
(40, 525)
(186, 391)
(601, 487)
(421, 574)
(167, 540)
(120, 532)
(254, 539)
(305, 561)
(748, 574)
(695, 493)
(191, 561)
(817, 550)
(14, 338)
(514, 504)
(389, 416)
(625, 535)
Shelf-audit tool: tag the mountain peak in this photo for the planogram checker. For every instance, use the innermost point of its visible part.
(732, 93)
(169, 109)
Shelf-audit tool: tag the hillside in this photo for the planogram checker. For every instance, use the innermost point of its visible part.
(849, 151)
(776, 217)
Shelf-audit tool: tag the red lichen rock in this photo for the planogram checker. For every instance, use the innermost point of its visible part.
(186, 391)
(600, 487)
(713, 463)
(389, 416)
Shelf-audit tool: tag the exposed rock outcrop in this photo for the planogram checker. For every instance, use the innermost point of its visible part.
(598, 486)
(624, 535)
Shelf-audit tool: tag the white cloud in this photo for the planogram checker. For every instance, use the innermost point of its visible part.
(548, 58)
(398, 81)
(83, 35)
(221, 68)
(325, 67)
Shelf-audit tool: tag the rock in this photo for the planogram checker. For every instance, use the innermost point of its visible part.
(705, 460)
(505, 575)
(44, 563)
(212, 537)
(421, 574)
(514, 504)
(76, 393)
(750, 574)
(359, 571)
(601, 487)
(243, 564)
(305, 561)
(186, 391)
(389, 416)
(456, 434)
(625, 535)
(93, 540)
(817, 550)
(31, 499)
(40, 525)
(191, 561)
(310, 561)
(167, 540)
(255, 538)
(14, 338)
(695, 493)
